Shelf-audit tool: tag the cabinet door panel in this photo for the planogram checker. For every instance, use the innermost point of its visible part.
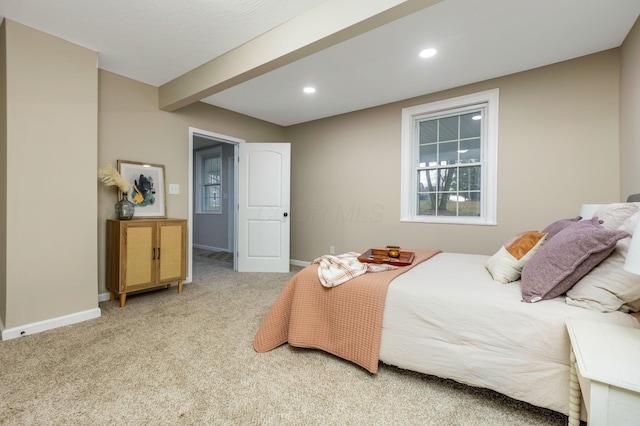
(139, 266)
(172, 262)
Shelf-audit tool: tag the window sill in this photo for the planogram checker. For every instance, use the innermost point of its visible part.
(450, 221)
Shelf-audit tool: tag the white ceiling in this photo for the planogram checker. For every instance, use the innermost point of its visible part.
(155, 41)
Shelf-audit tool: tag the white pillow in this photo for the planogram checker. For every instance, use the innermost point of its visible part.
(613, 215)
(608, 287)
(506, 264)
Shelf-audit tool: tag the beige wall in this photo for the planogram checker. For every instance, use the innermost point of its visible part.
(133, 128)
(51, 153)
(630, 113)
(558, 148)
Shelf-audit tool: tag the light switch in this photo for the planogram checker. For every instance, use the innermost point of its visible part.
(174, 188)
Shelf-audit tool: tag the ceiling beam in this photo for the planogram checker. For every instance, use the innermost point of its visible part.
(326, 25)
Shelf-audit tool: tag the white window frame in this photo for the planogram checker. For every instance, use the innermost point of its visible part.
(489, 158)
(200, 156)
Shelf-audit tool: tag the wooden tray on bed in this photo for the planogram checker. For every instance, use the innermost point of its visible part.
(381, 256)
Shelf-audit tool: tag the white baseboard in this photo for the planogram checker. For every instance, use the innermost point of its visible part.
(299, 263)
(210, 248)
(103, 297)
(50, 324)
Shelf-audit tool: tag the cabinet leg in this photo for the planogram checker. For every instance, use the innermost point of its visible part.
(112, 295)
(575, 393)
(179, 287)
(123, 299)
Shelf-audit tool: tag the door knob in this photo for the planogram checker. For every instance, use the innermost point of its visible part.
(286, 214)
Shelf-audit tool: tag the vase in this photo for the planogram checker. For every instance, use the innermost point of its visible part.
(124, 208)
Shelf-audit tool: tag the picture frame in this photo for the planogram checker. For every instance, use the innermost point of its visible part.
(147, 192)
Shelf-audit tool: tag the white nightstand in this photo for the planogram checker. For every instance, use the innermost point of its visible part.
(607, 358)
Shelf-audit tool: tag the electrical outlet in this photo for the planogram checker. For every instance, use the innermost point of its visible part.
(332, 250)
(174, 188)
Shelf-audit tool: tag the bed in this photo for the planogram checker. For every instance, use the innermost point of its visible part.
(446, 315)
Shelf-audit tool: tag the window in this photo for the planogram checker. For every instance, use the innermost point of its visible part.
(449, 160)
(209, 180)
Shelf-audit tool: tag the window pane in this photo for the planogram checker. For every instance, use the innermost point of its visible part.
(470, 179)
(211, 178)
(211, 191)
(470, 151)
(448, 153)
(212, 164)
(427, 180)
(428, 131)
(447, 204)
(448, 128)
(448, 180)
(426, 203)
(471, 205)
(428, 155)
(470, 128)
(211, 198)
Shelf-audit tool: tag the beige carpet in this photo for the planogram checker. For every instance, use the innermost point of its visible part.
(188, 359)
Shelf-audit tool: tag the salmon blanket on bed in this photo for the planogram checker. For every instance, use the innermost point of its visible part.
(345, 321)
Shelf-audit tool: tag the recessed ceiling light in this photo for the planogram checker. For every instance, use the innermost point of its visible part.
(427, 53)
(309, 89)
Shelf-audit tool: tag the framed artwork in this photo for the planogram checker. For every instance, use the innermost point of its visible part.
(147, 191)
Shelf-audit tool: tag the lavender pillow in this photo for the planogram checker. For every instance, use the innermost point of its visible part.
(558, 226)
(567, 257)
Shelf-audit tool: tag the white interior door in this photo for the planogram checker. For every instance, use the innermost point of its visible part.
(263, 207)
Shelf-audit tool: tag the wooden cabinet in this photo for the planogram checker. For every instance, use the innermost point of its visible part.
(145, 253)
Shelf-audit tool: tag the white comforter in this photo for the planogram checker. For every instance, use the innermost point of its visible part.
(448, 318)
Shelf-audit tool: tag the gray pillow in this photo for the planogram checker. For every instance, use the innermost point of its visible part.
(567, 257)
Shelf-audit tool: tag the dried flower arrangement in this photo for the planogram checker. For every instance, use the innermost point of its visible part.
(110, 176)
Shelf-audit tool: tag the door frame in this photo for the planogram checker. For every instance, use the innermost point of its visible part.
(231, 204)
(193, 132)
